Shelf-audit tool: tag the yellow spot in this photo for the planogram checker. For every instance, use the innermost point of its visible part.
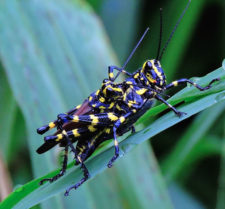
(134, 110)
(118, 107)
(156, 70)
(51, 125)
(102, 99)
(94, 105)
(108, 130)
(122, 119)
(78, 157)
(97, 92)
(102, 107)
(116, 143)
(112, 117)
(111, 75)
(130, 103)
(75, 118)
(111, 105)
(117, 89)
(59, 137)
(75, 133)
(90, 98)
(91, 128)
(78, 106)
(175, 83)
(94, 119)
(64, 133)
(136, 75)
(104, 91)
(141, 91)
(129, 82)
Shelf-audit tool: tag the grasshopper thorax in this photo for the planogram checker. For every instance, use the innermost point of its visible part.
(153, 74)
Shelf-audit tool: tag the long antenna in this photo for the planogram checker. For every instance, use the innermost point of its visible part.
(132, 53)
(160, 34)
(174, 29)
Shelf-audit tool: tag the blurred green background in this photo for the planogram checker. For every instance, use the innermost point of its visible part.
(55, 53)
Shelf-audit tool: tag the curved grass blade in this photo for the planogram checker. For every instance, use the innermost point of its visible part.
(45, 54)
(32, 193)
(180, 156)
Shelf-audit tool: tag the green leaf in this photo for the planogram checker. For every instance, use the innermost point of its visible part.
(221, 181)
(182, 199)
(31, 193)
(121, 24)
(190, 143)
(54, 70)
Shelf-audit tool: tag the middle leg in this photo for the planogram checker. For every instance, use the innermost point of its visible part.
(117, 124)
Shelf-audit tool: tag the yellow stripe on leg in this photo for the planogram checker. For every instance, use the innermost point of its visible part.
(51, 125)
(94, 119)
(59, 137)
(91, 128)
(75, 118)
(111, 75)
(75, 133)
(112, 117)
(122, 119)
(175, 83)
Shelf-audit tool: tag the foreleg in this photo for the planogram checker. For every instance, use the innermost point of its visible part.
(111, 74)
(185, 80)
(178, 113)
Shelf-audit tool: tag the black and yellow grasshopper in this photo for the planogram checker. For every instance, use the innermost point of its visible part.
(111, 111)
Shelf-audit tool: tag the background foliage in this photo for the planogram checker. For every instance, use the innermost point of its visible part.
(54, 53)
